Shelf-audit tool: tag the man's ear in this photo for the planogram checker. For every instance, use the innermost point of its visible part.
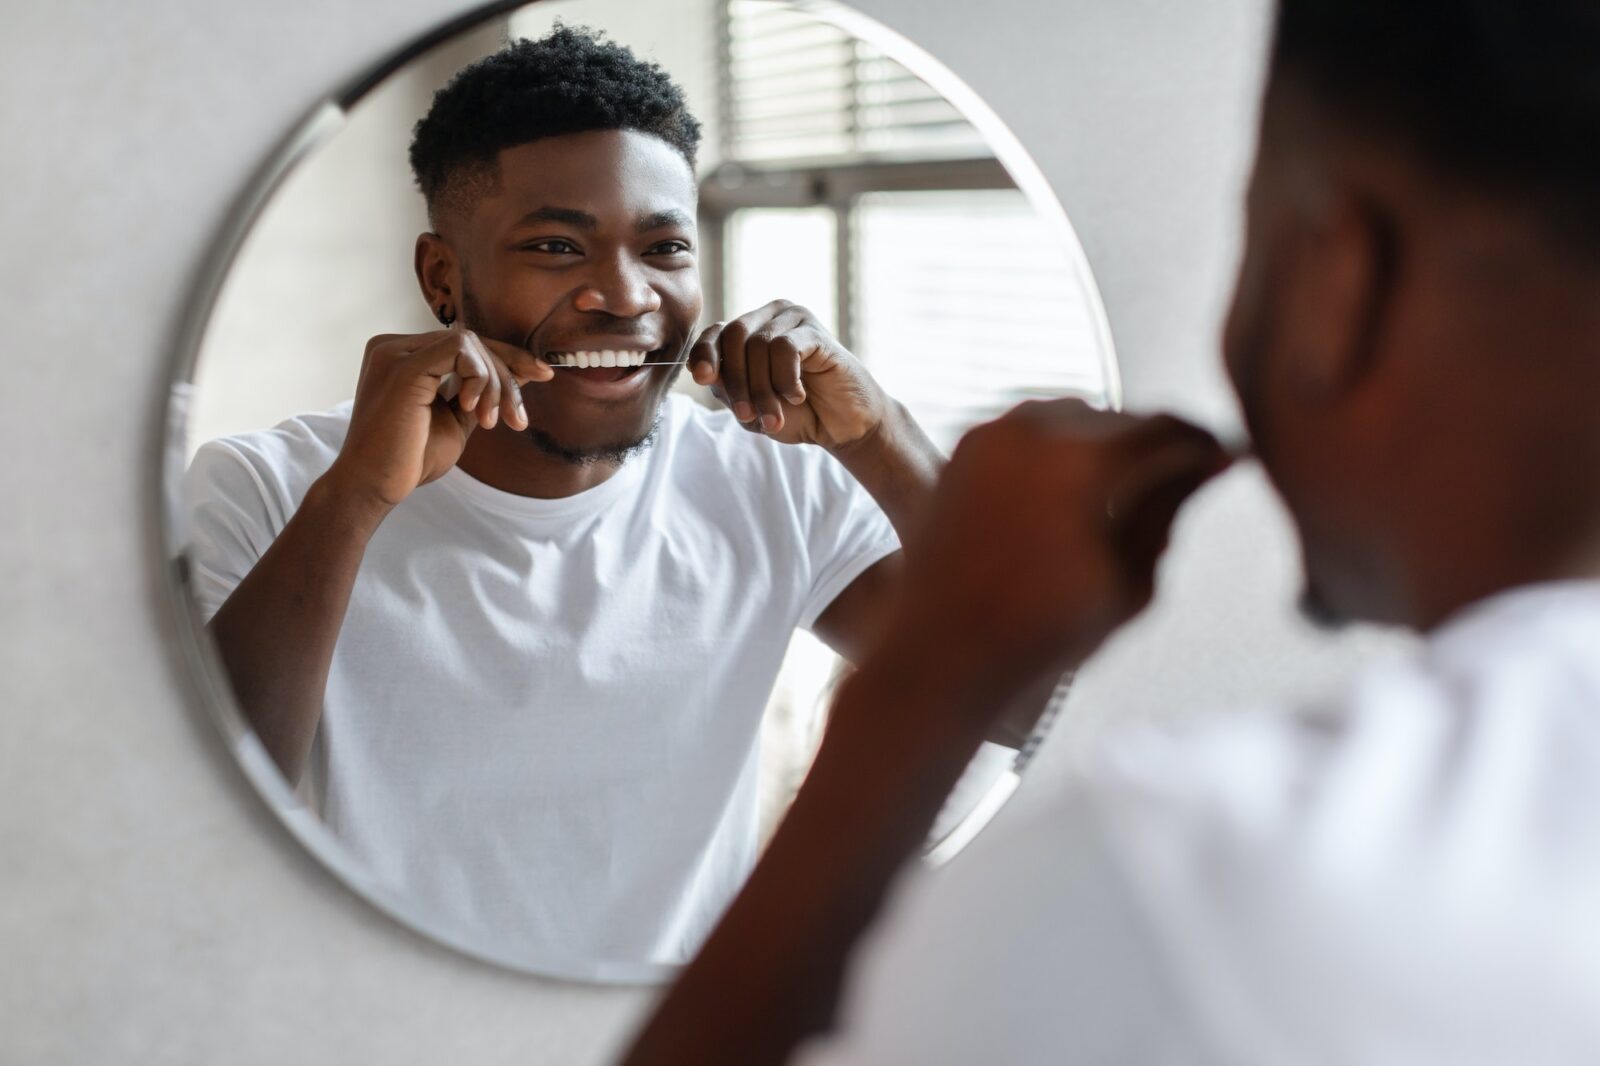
(1341, 296)
(439, 275)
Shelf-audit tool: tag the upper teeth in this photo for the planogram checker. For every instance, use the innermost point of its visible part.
(606, 358)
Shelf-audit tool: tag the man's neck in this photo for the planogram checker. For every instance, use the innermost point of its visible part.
(505, 459)
(1445, 590)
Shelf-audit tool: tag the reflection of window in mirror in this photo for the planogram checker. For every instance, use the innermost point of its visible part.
(849, 185)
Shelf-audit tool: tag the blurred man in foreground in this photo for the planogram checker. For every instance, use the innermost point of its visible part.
(1407, 874)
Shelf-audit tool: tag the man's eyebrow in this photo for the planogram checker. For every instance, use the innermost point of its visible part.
(665, 219)
(564, 215)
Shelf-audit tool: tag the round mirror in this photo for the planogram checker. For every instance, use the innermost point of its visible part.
(545, 432)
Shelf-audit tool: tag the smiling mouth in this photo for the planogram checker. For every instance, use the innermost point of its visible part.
(592, 359)
(611, 364)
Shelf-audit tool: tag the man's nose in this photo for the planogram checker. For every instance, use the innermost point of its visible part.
(621, 288)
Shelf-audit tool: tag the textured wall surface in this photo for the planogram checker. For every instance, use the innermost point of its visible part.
(151, 911)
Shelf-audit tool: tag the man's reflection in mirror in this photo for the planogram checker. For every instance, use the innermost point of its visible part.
(510, 617)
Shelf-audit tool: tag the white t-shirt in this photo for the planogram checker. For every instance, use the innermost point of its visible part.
(542, 716)
(1407, 876)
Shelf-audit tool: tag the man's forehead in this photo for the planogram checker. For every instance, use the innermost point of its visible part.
(601, 172)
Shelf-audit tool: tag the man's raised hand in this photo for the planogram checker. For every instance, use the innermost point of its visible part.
(783, 374)
(402, 432)
(1043, 538)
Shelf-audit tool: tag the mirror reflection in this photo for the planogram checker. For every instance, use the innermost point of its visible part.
(554, 437)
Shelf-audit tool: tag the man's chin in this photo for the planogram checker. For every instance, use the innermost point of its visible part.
(574, 453)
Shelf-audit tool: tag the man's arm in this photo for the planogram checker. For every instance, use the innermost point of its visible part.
(898, 466)
(784, 375)
(991, 606)
(277, 630)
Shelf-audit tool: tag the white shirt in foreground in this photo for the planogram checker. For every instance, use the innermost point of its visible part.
(1409, 875)
(542, 717)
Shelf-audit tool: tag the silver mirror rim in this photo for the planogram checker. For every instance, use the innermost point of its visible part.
(207, 679)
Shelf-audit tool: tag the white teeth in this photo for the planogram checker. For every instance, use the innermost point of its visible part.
(585, 360)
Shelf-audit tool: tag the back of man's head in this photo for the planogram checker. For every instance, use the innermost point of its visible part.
(1501, 93)
(1416, 336)
(573, 80)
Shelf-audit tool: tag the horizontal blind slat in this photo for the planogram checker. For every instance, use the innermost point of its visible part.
(800, 88)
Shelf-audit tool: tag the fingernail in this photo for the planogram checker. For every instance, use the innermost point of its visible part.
(743, 411)
(769, 423)
(797, 398)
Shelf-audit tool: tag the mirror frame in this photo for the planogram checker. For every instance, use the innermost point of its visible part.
(208, 681)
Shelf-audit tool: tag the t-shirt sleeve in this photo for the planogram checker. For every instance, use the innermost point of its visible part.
(1029, 948)
(231, 518)
(846, 533)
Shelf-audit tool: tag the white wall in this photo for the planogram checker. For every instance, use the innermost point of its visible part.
(328, 264)
(152, 912)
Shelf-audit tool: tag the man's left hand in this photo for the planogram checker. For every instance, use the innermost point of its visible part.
(784, 375)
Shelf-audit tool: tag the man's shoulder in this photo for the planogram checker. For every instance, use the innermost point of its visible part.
(287, 456)
(1400, 819)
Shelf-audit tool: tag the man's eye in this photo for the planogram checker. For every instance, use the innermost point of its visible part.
(671, 248)
(551, 246)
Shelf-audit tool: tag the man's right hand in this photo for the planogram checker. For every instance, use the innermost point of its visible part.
(1043, 538)
(402, 432)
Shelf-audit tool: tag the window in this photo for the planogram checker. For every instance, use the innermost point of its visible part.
(845, 183)
(796, 87)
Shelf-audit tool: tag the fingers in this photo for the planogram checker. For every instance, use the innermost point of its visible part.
(501, 394)
(758, 381)
(703, 362)
(511, 407)
(732, 371)
(525, 367)
(482, 375)
(1128, 474)
(1160, 433)
(786, 354)
(1143, 505)
(754, 362)
(481, 385)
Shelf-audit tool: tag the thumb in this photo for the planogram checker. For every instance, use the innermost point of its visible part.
(1144, 506)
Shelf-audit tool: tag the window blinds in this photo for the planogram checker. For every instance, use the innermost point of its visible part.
(801, 89)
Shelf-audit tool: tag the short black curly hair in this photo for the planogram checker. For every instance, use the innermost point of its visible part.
(571, 81)
(1501, 93)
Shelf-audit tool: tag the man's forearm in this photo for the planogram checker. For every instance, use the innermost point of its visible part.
(769, 976)
(898, 466)
(276, 632)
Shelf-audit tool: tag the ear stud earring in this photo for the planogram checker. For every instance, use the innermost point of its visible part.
(445, 317)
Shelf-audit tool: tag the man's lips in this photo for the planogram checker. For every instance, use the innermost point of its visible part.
(600, 382)
(599, 373)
